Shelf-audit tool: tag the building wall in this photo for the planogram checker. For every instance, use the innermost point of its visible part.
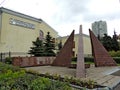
(17, 38)
(86, 42)
(0, 24)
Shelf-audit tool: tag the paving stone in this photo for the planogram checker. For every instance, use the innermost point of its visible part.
(104, 79)
(112, 82)
(95, 73)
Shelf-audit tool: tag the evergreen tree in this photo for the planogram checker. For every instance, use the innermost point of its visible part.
(115, 42)
(59, 46)
(110, 43)
(38, 48)
(49, 45)
(107, 42)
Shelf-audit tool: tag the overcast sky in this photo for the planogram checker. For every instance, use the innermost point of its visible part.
(66, 15)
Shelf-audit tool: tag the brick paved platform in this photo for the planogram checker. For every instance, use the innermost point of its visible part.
(102, 75)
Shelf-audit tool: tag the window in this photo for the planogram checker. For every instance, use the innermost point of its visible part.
(41, 35)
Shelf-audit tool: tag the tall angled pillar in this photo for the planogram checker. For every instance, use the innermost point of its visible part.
(80, 70)
(65, 55)
(101, 56)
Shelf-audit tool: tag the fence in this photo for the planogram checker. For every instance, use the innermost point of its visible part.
(4, 55)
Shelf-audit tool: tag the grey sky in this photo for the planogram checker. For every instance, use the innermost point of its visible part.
(66, 15)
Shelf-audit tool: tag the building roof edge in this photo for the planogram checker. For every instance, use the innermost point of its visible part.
(2, 9)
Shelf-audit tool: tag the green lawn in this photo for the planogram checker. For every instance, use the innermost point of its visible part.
(74, 62)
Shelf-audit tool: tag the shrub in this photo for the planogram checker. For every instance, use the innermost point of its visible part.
(117, 59)
(4, 67)
(8, 60)
(40, 84)
(87, 59)
(58, 85)
(114, 53)
(74, 59)
(47, 84)
(12, 78)
(8, 79)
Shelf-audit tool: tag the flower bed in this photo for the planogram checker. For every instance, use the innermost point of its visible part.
(74, 83)
(12, 78)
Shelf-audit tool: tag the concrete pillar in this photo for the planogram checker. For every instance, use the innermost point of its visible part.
(80, 70)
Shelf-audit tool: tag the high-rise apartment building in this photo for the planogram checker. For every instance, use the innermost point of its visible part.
(99, 28)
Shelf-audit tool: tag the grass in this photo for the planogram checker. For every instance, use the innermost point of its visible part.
(118, 64)
(74, 62)
(89, 62)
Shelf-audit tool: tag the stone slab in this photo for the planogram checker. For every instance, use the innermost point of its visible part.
(101, 56)
(32, 61)
(65, 55)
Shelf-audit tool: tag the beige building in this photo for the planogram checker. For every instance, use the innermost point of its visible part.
(17, 31)
(86, 42)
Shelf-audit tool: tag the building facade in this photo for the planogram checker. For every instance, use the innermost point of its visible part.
(99, 28)
(86, 44)
(17, 31)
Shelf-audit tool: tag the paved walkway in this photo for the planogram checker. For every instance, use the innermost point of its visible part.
(102, 75)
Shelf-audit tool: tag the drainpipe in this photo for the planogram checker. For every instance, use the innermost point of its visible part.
(0, 26)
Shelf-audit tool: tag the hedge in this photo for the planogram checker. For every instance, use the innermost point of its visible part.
(87, 59)
(114, 53)
(117, 59)
(90, 59)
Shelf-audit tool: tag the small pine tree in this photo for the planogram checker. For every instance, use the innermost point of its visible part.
(110, 43)
(49, 45)
(107, 42)
(38, 48)
(59, 46)
(115, 42)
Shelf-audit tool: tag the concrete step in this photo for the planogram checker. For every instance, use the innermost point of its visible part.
(112, 82)
(104, 79)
